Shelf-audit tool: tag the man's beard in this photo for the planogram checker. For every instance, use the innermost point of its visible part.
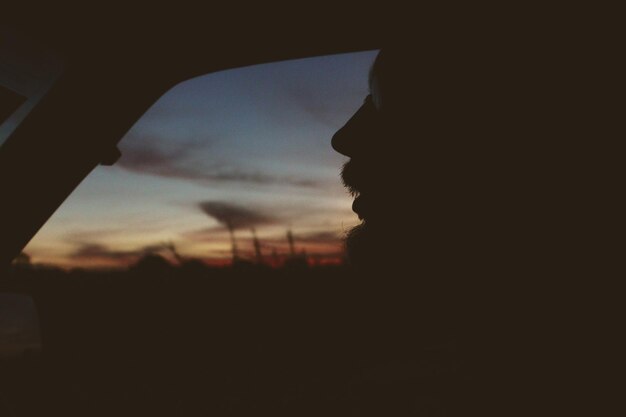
(368, 246)
(356, 244)
(354, 175)
(362, 241)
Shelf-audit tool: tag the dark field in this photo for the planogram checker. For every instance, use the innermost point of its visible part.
(240, 340)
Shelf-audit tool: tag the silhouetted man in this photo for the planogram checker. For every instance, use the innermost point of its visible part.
(405, 252)
(447, 167)
(413, 158)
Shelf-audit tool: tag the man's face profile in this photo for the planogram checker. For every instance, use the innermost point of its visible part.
(364, 175)
(408, 164)
(390, 170)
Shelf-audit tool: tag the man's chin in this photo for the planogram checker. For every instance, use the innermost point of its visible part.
(365, 246)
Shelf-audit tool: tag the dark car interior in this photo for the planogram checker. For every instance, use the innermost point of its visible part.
(522, 186)
(155, 344)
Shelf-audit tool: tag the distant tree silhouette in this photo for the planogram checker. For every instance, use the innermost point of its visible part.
(22, 260)
(151, 263)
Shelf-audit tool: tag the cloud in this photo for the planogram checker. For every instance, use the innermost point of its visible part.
(182, 163)
(151, 159)
(97, 252)
(323, 107)
(217, 234)
(233, 216)
(319, 237)
(79, 236)
(324, 238)
(327, 90)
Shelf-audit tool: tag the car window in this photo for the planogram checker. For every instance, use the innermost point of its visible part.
(231, 166)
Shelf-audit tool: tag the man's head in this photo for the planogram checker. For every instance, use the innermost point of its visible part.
(417, 162)
(476, 172)
(376, 140)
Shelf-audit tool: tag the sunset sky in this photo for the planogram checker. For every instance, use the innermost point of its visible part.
(250, 146)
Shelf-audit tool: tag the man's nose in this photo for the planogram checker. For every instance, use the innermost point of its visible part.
(355, 136)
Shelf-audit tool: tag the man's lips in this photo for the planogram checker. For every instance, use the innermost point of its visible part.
(363, 185)
(359, 206)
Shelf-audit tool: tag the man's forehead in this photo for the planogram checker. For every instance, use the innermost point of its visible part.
(374, 87)
(374, 71)
(370, 79)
